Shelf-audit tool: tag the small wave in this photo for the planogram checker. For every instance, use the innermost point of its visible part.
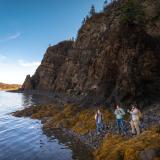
(32, 127)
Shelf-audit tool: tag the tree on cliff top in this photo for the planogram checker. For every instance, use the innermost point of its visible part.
(92, 11)
(84, 21)
(105, 5)
(132, 14)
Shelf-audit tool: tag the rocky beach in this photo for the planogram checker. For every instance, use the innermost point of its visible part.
(79, 124)
(114, 59)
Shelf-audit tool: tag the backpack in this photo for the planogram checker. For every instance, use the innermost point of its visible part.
(122, 112)
(140, 116)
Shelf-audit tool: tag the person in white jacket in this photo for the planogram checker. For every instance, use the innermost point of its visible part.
(135, 122)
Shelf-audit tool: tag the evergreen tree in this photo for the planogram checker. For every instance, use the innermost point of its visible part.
(87, 17)
(72, 39)
(105, 5)
(105, 2)
(84, 20)
(132, 13)
(92, 11)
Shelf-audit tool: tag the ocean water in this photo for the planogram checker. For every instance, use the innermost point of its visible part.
(23, 138)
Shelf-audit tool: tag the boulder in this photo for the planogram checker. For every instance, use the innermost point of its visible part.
(150, 154)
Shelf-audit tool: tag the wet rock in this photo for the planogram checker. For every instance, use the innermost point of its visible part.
(150, 154)
(45, 119)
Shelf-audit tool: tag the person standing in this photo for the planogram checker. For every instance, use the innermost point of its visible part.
(119, 112)
(135, 120)
(99, 123)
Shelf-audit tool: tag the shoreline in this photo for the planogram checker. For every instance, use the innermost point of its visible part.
(71, 120)
(87, 99)
(58, 98)
(61, 126)
(87, 135)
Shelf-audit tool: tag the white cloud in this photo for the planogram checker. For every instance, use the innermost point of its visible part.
(11, 37)
(16, 72)
(28, 64)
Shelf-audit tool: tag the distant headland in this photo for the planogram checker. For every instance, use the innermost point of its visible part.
(4, 86)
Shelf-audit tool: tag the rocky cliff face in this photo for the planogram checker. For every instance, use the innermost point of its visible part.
(112, 59)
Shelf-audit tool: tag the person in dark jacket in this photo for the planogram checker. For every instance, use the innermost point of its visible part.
(99, 123)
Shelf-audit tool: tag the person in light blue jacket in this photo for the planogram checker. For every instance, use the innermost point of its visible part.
(119, 113)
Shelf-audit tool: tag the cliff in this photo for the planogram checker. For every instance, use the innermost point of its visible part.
(115, 58)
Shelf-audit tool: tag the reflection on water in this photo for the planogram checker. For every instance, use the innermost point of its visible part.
(23, 139)
(79, 149)
(28, 99)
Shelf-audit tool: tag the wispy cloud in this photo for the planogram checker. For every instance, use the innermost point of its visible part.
(13, 36)
(10, 37)
(14, 73)
(28, 64)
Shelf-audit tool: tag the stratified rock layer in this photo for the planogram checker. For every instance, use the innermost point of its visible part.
(107, 62)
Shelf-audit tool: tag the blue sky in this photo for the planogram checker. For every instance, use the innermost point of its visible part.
(29, 26)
